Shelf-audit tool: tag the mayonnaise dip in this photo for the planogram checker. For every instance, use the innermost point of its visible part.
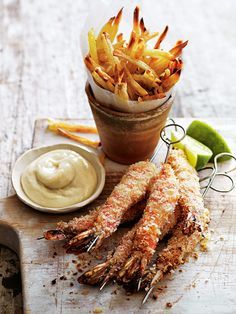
(59, 178)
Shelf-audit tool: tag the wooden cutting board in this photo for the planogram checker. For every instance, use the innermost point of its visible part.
(49, 276)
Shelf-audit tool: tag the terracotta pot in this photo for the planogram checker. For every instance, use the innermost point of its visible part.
(128, 137)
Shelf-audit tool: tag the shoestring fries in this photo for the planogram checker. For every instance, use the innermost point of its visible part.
(53, 125)
(133, 69)
(65, 129)
(79, 139)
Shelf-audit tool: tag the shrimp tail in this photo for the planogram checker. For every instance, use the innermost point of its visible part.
(96, 275)
(54, 234)
(133, 268)
(81, 242)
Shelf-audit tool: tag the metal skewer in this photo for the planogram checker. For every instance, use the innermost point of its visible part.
(211, 178)
(146, 297)
(103, 285)
(167, 140)
(92, 244)
(139, 283)
(152, 286)
(215, 173)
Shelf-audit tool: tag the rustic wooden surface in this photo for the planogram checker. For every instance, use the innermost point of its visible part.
(42, 74)
(204, 285)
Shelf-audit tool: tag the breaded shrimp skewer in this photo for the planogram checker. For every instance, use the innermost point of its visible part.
(190, 201)
(106, 271)
(189, 231)
(131, 189)
(158, 218)
(67, 230)
(175, 254)
(146, 233)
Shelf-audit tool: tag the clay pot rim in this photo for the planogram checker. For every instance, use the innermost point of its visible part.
(124, 115)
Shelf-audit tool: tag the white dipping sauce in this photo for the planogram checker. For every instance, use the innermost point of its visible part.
(59, 178)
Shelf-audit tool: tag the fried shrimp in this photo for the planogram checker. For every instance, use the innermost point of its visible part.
(158, 218)
(67, 230)
(145, 234)
(190, 230)
(131, 189)
(104, 272)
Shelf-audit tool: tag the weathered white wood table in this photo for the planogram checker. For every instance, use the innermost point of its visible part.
(204, 285)
(42, 74)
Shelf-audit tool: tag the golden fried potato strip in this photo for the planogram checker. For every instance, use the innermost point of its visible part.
(133, 69)
(53, 125)
(79, 139)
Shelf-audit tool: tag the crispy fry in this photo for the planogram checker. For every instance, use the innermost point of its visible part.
(99, 80)
(142, 26)
(175, 65)
(179, 64)
(103, 83)
(121, 91)
(172, 66)
(53, 125)
(139, 90)
(138, 63)
(159, 90)
(148, 36)
(107, 28)
(178, 42)
(139, 48)
(136, 20)
(90, 64)
(157, 53)
(92, 45)
(171, 81)
(131, 41)
(131, 92)
(108, 49)
(177, 50)
(119, 37)
(79, 139)
(147, 79)
(120, 42)
(104, 75)
(152, 97)
(148, 71)
(167, 73)
(161, 38)
(159, 65)
(116, 24)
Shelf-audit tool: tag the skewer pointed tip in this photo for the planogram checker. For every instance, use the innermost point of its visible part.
(39, 238)
(92, 244)
(147, 295)
(103, 285)
(139, 284)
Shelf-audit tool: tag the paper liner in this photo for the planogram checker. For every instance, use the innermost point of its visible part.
(112, 101)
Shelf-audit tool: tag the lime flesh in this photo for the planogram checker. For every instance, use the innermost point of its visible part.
(198, 154)
(208, 136)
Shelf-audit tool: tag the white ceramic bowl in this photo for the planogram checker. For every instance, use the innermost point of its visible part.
(24, 160)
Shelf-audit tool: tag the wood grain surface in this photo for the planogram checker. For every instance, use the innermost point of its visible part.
(42, 73)
(204, 285)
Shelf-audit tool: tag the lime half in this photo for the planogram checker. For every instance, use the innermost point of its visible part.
(198, 154)
(207, 135)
